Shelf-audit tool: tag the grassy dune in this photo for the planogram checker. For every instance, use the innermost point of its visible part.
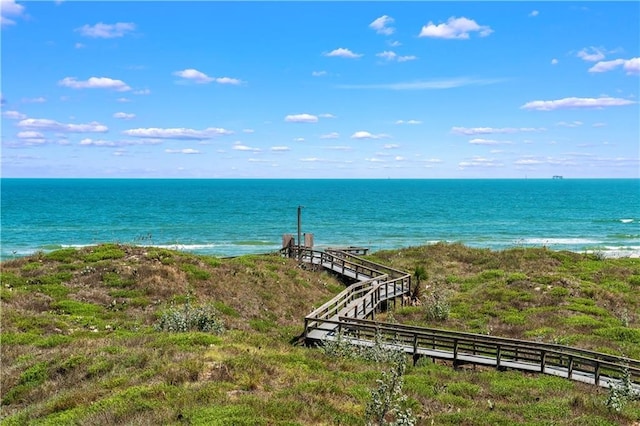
(80, 343)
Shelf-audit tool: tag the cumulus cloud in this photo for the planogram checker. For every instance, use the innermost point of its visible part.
(30, 134)
(367, 135)
(194, 75)
(99, 142)
(534, 13)
(95, 83)
(573, 102)
(454, 28)
(124, 115)
(102, 30)
(408, 122)
(390, 55)
(631, 66)
(381, 25)
(592, 54)
(341, 52)
(239, 146)
(9, 8)
(332, 135)
(177, 133)
(14, 115)
(187, 151)
(554, 61)
(301, 118)
(199, 77)
(319, 73)
(479, 162)
(470, 131)
(575, 123)
(228, 80)
(45, 124)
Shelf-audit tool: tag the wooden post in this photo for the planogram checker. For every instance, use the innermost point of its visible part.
(299, 233)
(543, 359)
(597, 373)
(570, 370)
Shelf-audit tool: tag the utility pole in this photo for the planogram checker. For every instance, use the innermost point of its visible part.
(299, 234)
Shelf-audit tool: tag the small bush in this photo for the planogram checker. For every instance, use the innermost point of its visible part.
(105, 252)
(621, 393)
(199, 318)
(437, 307)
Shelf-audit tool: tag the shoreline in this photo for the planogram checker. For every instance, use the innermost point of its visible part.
(606, 252)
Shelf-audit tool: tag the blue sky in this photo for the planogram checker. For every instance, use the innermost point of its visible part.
(320, 90)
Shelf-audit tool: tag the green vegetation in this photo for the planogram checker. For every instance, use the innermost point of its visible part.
(82, 340)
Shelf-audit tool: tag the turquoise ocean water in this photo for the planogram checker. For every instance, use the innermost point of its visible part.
(232, 217)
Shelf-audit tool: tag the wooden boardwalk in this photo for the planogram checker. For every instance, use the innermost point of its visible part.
(351, 315)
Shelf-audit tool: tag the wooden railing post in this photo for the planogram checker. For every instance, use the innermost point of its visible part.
(498, 356)
(543, 360)
(597, 373)
(570, 368)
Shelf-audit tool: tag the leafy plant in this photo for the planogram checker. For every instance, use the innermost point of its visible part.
(621, 393)
(199, 318)
(387, 405)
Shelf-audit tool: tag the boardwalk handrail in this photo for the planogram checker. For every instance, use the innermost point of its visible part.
(346, 314)
(499, 351)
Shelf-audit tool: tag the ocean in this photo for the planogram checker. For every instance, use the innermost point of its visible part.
(229, 217)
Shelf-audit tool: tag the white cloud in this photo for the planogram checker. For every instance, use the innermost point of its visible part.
(142, 92)
(341, 52)
(632, 66)
(367, 135)
(470, 131)
(79, 46)
(38, 100)
(319, 73)
(124, 115)
(575, 123)
(301, 118)
(599, 125)
(248, 131)
(455, 28)
(554, 61)
(228, 80)
(298, 139)
(576, 103)
(194, 75)
(479, 162)
(55, 126)
(101, 30)
(592, 54)
(393, 56)
(332, 135)
(280, 148)
(99, 142)
(480, 141)
(408, 122)
(327, 115)
(239, 146)
(10, 8)
(381, 25)
(187, 151)
(30, 134)
(534, 13)
(394, 43)
(391, 146)
(14, 115)
(528, 162)
(177, 133)
(339, 148)
(425, 85)
(123, 100)
(95, 83)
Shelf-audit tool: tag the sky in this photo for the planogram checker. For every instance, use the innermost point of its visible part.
(158, 89)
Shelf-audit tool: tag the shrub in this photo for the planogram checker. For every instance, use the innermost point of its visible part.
(199, 318)
(387, 405)
(621, 393)
(437, 307)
